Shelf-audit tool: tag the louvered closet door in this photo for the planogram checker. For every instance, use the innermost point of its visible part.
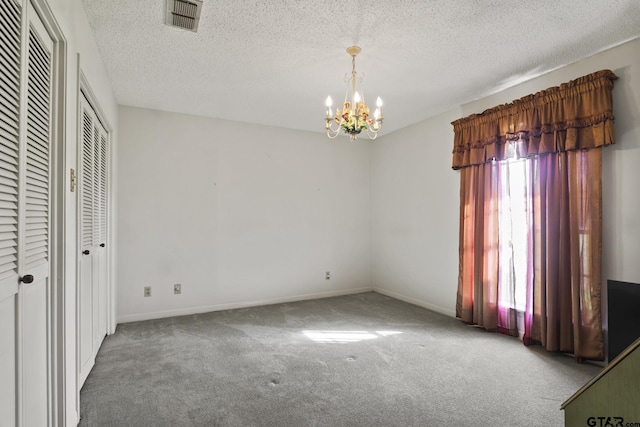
(33, 229)
(86, 285)
(93, 234)
(25, 140)
(9, 171)
(101, 226)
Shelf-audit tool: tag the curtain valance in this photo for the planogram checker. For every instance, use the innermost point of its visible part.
(573, 116)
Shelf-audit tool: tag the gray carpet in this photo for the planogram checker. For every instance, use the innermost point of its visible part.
(358, 360)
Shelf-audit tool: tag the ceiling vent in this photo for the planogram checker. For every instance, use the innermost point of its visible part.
(183, 14)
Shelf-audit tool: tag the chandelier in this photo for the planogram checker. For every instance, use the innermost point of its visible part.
(354, 117)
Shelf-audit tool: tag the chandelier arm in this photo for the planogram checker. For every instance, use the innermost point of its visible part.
(373, 134)
(346, 92)
(332, 135)
(331, 132)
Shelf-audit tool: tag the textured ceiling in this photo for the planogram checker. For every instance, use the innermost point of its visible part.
(275, 61)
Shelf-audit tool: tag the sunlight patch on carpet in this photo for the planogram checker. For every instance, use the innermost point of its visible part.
(346, 336)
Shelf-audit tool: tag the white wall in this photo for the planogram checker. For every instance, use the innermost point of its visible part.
(239, 214)
(69, 16)
(415, 214)
(416, 199)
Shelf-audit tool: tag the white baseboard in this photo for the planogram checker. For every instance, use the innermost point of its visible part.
(230, 306)
(415, 301)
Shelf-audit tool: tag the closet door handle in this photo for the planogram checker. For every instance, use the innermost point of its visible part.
(86, 252)
(27, 278)
(102, 245)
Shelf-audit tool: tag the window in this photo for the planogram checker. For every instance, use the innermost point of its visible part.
(531, 230)
(513, 225)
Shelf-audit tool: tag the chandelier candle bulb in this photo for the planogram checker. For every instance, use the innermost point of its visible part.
(328, 104)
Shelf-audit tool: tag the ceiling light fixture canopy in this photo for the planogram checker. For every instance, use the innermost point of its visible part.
(354, 117)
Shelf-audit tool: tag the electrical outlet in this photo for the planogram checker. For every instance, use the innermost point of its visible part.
(327, 275)
(177, 288)
(147, 291)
